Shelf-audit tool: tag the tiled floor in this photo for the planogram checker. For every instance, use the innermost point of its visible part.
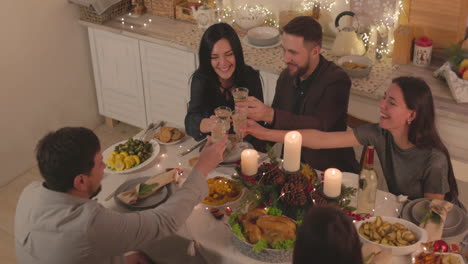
(9, 194)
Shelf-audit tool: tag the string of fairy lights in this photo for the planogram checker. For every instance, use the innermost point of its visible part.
(384, 26)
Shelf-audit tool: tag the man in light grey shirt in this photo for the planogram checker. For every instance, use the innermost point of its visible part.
(57, 222)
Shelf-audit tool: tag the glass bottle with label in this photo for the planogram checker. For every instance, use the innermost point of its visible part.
(367, 184)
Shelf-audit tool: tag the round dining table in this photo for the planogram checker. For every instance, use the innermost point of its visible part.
(211, 238)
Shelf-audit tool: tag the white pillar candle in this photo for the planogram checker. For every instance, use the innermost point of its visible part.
(292, 151)
(332, 182)
(249, 162)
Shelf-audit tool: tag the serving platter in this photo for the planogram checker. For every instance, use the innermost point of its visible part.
(106, 153)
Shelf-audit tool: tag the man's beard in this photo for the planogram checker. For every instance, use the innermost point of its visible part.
(96, 192)
(300, 70)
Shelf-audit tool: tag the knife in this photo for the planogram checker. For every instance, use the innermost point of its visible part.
(185, 152)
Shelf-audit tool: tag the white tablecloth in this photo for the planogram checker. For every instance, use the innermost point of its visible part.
(213, 238)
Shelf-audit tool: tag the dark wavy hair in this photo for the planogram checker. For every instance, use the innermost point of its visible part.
(212, 35)
(306, 27)
(422, 130)
(64, 154)
(327, 235)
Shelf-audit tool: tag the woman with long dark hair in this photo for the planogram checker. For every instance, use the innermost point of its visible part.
(327, 235)
(414, 160)
(221, 69)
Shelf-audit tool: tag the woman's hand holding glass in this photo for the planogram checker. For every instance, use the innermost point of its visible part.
(257, 110)
(211, 155)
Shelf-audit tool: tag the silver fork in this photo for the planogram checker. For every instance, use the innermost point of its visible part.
(150, 126)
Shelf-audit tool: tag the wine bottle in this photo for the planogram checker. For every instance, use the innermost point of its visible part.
(367, 184)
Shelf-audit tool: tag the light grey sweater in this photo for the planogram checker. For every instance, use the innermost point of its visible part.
(54, 227)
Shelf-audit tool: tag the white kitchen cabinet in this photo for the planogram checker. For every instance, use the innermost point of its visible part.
(269, 86)
(118, 77)
(166, 74)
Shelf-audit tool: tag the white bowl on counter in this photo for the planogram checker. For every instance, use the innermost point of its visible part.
(421, 236)
(355, 66)
(263, 36)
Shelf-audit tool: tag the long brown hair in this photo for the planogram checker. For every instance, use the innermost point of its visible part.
(422, 130)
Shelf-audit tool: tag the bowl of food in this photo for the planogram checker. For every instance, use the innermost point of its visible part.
(222, 192)
(355, 66)
(400, 236)
(264, 237)
(263, 36)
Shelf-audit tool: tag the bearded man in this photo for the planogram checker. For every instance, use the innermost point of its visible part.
(311, 92)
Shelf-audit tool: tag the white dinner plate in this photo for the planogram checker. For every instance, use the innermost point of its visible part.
(447, 233)
(151, 201)
(105, 155)
(234, 154)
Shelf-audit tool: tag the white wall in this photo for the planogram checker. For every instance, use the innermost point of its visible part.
(45, 78)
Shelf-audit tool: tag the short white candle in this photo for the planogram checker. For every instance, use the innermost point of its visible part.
(292, 151)
(249, 162)
(332, 182)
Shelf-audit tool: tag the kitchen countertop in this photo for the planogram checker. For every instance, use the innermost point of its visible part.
(186, 36)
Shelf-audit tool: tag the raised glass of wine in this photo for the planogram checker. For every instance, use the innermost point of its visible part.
(224, 113)
(240, 94)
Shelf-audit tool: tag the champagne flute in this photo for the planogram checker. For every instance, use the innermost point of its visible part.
(239, 121)
(224, 113)
(218, 130)
(240, 94)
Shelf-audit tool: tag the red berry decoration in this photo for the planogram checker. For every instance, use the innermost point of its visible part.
(228, 210)
(440, 246)
(454, 248)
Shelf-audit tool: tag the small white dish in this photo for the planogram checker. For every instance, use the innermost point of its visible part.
(263, 36)
(246, 42)
(357, 60)
(175, 141)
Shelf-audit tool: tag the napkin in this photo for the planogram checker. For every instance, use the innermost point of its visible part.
(149, 187)
(434, 220)
(373, 254)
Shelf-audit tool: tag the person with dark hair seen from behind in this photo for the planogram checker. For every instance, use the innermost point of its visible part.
(57, 221)
(311, 92)
(414, 160)
(327, 235)
(221, 69)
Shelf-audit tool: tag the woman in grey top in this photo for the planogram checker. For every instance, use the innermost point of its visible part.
(414, 160)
